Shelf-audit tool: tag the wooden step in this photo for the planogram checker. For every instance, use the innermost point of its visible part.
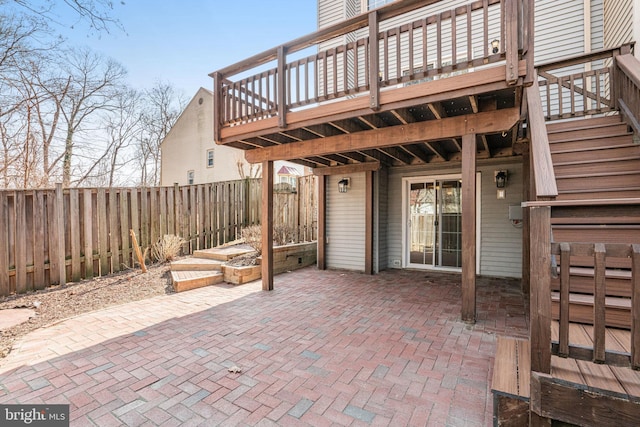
(602, 182)
(564, 125)
(617, 310)
(196, 264)
(621, 193)
(581, 144)
(591, 169)
(626, 152)
(581, 280)
(187, 280)
(510, 383)
(600, 131)
(221, 254)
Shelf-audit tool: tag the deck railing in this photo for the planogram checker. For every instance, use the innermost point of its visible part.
(386, 51)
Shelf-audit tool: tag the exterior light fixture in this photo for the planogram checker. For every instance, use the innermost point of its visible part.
(343, 184)
(495, 46)
(501, 183)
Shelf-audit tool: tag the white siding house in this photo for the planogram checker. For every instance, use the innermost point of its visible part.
(189, 154)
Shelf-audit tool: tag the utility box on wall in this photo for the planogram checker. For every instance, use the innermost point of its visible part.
(515, 212)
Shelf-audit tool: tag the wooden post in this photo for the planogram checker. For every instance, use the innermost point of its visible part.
(540, 296)
(136, 248)
(526, 236)
(4, 244)
(374, 62)
(368, 243)
(59, 212)
(322, 218)
(282, 89)
(511, 41)
(217, 106)
(635, 301)
(267, 225)
(469, 228)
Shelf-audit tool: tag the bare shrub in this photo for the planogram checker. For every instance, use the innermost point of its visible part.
(283, 234)
(167, 248)
(252, 236)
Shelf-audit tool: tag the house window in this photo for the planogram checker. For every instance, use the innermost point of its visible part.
(374, 4)
(209, 158)
(190, 177)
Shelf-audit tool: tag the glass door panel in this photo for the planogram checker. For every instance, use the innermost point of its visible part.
(450, 230)
(422, 200)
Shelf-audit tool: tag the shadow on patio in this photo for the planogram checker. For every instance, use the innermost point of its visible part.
(326, 347)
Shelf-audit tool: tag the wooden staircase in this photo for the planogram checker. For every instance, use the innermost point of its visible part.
(595, 159)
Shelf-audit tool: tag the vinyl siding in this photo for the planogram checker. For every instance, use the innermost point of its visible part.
(500, 242)
(381, 189)
(559, 29)
(597, 25)
(345, 223)
(618, 22)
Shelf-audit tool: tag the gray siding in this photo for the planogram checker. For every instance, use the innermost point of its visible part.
(346, 223)
(618, 22)
(597, 25)
(381, 189)
(500, 242)
(559, 29)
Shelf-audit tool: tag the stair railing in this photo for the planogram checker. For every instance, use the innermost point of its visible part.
(627, 93)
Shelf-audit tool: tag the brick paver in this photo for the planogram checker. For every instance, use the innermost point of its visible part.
(324, 348)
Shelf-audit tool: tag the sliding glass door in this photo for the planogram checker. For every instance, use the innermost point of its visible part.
(434, 223)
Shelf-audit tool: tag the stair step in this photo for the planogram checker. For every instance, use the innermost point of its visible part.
(188, 280)
(562, 126)
(221, 254)
(626, 152)
(623, 193)
(196, 264)
(590, 169)
(617, 310)
(592, 132)
(591, 143)
(618, 282)
(599, 182)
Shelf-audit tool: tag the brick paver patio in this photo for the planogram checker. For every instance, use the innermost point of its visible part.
(325, 348)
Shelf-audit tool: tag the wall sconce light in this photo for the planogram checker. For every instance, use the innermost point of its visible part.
(495, 46)
(343, 184)
(501, 183)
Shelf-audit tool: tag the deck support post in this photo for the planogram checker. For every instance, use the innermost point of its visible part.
(540, 295)
(526, 237)
(282, 87)
(217, 105)
(368, 243)
(374, 62)
(511, 41)
(322, 221)
(469, 228)
(267, 225)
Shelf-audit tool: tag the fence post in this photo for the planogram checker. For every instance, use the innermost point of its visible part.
(59, 215)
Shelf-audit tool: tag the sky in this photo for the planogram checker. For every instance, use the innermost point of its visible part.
(182, 41)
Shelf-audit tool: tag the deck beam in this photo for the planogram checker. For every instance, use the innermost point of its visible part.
(485, 122)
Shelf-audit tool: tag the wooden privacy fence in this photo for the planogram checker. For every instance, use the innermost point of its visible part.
(57, 235)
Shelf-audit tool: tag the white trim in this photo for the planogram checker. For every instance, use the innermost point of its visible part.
(406, 183)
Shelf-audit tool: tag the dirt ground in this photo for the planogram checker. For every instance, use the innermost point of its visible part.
(56, 303)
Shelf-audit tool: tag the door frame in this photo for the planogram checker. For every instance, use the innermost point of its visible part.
(406, 188)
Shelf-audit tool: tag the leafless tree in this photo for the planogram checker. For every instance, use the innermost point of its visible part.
(163, 106)
(94, 81)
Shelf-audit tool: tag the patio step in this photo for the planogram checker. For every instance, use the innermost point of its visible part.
(221, 254)
(510, 384)
(196, 264)
(187, 280)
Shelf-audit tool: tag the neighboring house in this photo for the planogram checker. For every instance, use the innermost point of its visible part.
(439, 137)
(189, 154)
